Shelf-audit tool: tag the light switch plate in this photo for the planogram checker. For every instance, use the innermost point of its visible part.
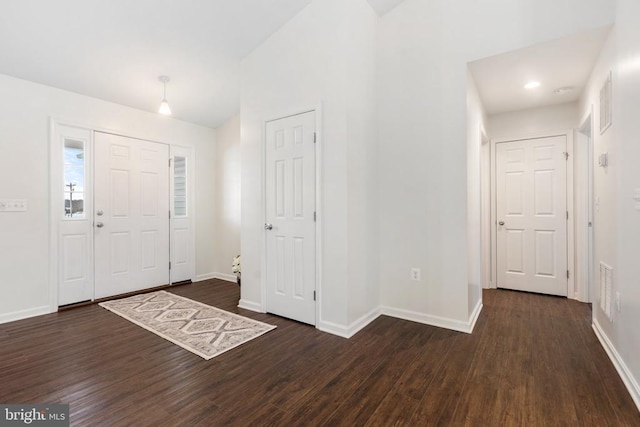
(636, 198)
(13, 205)
(603, 160)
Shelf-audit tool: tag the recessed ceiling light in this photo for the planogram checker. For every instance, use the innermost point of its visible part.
(532, 84)
(563, 89)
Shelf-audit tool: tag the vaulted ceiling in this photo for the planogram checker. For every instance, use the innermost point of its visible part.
(116, 49)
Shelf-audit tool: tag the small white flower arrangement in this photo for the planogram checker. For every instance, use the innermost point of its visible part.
(235, 267)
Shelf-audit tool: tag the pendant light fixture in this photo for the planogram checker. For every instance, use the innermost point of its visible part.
(164, 105)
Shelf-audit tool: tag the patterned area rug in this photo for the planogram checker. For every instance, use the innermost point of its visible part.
(204, 330)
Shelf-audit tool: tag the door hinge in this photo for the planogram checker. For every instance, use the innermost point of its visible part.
(314, 295)
(315, 137)
(567, 215)
(169, 213)
(169, 265)
(567, 274)
(314, 217)
(566, 155)
(169, 162)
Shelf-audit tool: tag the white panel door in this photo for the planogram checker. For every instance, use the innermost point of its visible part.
(131, 218)
(290, 209)
(531, 194)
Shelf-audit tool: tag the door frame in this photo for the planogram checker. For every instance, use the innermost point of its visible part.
(485, 209)
(55, 194)
(586, 293)
(317, 109)
(572, 292)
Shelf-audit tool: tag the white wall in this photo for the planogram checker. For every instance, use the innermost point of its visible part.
(227, 197)
(616, 221)
(205, 154)
(424, 48)
(476, 123)
(533, 121)
(24, 173)
(624, 333)
(422, 51)
(323, 56)
(362, 169)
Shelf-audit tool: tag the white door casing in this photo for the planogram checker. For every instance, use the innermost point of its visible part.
(290, 203)
(531, 211)
(132, 204)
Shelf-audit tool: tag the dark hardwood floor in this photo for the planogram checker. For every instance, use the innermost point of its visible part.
(532, 361)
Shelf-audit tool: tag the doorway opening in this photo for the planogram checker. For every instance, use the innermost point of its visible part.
(510, 109)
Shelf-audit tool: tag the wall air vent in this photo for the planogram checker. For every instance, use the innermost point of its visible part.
(606, 283)
(606, 104)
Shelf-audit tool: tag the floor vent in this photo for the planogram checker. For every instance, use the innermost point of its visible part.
(606, 283)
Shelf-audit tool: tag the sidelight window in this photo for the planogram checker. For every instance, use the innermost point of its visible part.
(180, 186)
(74, 179)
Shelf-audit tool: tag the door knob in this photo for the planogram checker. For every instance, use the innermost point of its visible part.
(268, 226)
(99, 224)
(501, 223)
(99, 213)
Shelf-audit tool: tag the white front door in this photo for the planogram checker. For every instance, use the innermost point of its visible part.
(131, 217)
(531, 207)
(290, 217)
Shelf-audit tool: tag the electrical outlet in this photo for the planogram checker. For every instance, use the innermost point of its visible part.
(415, 274)
(618, 303)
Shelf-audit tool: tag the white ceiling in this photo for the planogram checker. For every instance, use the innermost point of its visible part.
(559, 63)
(116, 49)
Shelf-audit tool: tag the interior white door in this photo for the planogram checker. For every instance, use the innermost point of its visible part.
(131, 218)
(290, 217)
(531, 207)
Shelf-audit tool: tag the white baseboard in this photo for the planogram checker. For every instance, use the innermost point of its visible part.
(24, 314)
(624, 372)
(474, 315)
(250, 305)
(215, 275)
(333, 328)
(442, 322)
(224, 276)
(353, 328)
(202, 277)
(429, 319)
(363, 321)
